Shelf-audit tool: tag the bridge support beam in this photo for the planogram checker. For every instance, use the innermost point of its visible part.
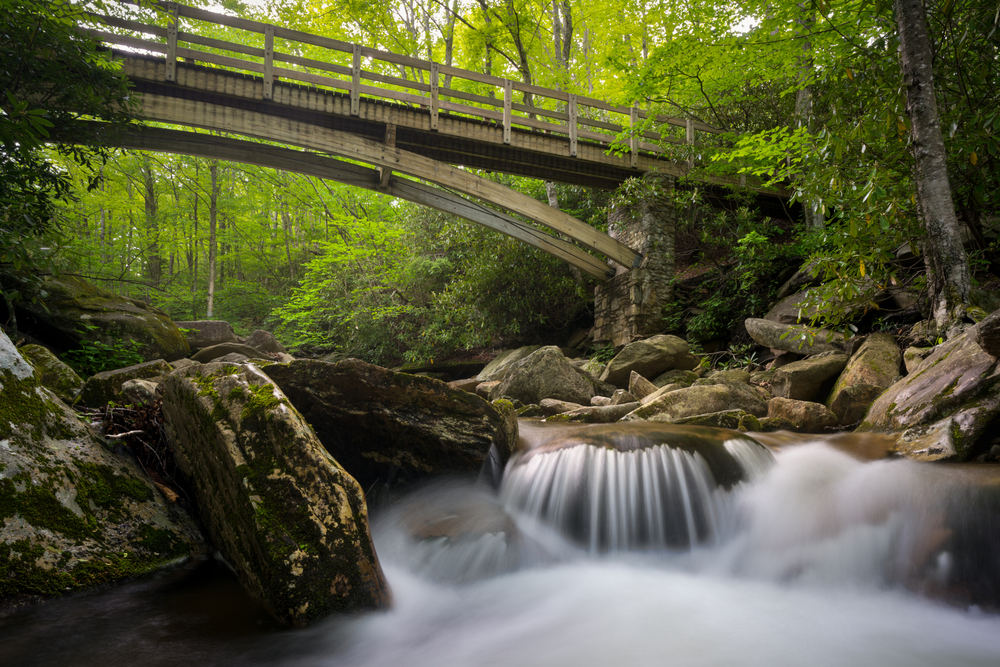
(630, 305)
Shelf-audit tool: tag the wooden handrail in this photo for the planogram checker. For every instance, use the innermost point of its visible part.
(568, 115)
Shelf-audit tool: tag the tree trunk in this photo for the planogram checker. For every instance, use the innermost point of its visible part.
(154, 262)
(213, 210)
(948, 277)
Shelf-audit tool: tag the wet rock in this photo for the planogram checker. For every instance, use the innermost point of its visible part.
(483, 389)
(468, 384)
(639, 386)
(52, 373)
(497, 369)
(682, 378)
(76, 311)
(596, 414)
(804, 416)
(736, 420)
(659, 393)
(796, 338)
(806, 380)
(600, 400)
(287, 517)
(954, 392)
(869, 372)
(206, 333)
(621, 396)
(265, 341)
(102, 388)
(772, 424)
(546, 373)
(214, 352)
(394, 429)
(700, 400)
(553, 406)
(72, 514)
(649, 358)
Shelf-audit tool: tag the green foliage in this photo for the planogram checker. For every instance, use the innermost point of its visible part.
(97, 356)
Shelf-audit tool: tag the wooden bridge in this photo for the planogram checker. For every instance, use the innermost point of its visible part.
(400, 114)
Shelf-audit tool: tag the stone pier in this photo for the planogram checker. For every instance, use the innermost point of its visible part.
(630, 305)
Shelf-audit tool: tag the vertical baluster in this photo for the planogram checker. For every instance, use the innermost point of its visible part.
(571, 110)
(508, 98)
(268, 62)
(434, 97)
(173, 11)
(356, 82)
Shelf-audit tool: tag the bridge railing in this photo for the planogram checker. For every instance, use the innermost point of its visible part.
(278, 53)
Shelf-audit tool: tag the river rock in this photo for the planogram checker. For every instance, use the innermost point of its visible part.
(394, 429)
(804, 416)
(736, 420)
(206, 333)
(649, 358)
(72, 514)
(683, 378)
(913, 356)
(621, 396)
(546, 373)
(639, 386)
(214, 352)
(659, 393)
(788, 310)
(265, 341)
(597, 414)
(806, 380)
(700, 400)
(553, 406)
(869, 372)
(52, 372)
(285, 515)
(497, 369)
(954, 393)
(102, 388)
(988, 334)
(75, 311)
(799, 339)
(484, 389)
(600, 400)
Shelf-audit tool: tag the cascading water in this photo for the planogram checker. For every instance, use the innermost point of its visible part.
(623, 545)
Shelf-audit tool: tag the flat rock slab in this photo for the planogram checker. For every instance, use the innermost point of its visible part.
(394, 428)
(287, 517)
(102, 388)
(700, 400)
(796, 338)
(807, 379)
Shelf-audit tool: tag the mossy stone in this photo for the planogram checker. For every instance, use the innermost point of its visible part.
(52, 372)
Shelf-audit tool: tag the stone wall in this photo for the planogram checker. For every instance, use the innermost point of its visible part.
(630, 305)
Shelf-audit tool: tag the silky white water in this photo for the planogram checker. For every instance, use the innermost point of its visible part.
(820, 560)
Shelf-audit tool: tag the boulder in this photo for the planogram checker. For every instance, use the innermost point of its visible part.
(468, 384)
(72, 514)
(484, 389)
(988, 334)
(639, 386)
(869, 372)
(788, 310)
(213, 352)
(683, 378)
(102, 388)
(621, 396)
(803, 277)
(206, 333)
(75, 311)
(804, 416)
(288, 519)
(553, 406)
(736, 420)
(807, 379)
(600, 400)
(52, 373)
(265, 342)
(659, 393)
(393, 429)
(546, 373)
(497, 369)
(137, 392)
(649, 358)
(597, 414)
(953, 392)
(701, 400)
(737, 375)
(181, 363)
(796, 338)
(913, 356)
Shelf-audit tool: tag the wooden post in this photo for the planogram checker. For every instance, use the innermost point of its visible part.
(689, 127)
(356, 82)
(390, 141)
(633, 142)
(508, 99)
(571, 119)
(434, 97)
(171, 74)
(268, 61)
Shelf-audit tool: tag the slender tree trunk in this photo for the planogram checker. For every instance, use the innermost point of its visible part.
(213, 211)
(948, 277)
(154, 262)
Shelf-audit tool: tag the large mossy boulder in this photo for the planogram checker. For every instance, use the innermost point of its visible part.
(497, 369)
(205, 333)
(795, 338)
(72, 514)
(869, 372)
(52, 372)
(287, 517)
(946, 405)
(546, 373)
(102, 388)
(394, 429)
(809, 379)
(700, 400)
(215, 352)
(76, 311)
(649, 358)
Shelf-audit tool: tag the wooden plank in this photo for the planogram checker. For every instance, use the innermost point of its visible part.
(225, 61)
(508, 94)
(223, 148)
(315, 79)
(315, 64)
(434, 97)
(541, 92)
(125, 40)
(313, 40)
(128, 24)
(172, 10)
(268, 61)
(390, 140)
(571, 113)
(356, 81)
(222, 45)
(538, 111)
(254, 123)
(220, 19)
